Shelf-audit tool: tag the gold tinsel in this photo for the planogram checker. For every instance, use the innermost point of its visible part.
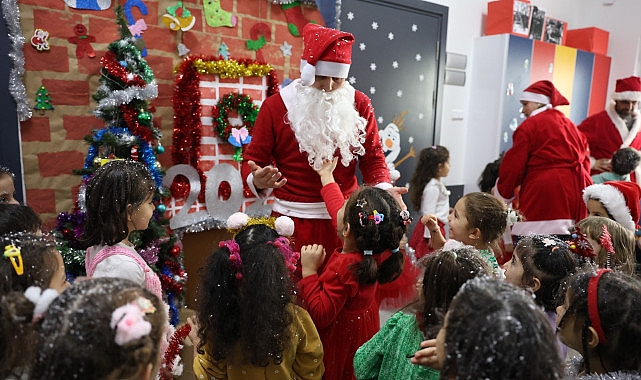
(231, 68)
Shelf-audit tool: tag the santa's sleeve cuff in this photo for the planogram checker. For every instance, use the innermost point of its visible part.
(495, 192)
(260, 194)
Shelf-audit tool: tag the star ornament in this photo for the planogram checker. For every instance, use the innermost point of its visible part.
(286, 49)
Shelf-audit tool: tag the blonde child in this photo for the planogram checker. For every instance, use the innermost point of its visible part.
(622, 240)
(7, 187)
(101, 328)
(429, 195)
(119, 201)
(387, 355)
(250, 324)
(478, 219)
(342, 299)
(601, 319)
(541, 263)
(32, 274)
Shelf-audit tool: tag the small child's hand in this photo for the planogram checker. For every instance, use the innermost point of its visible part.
(326, 172)
(430, 222)
(427, 356)
(311, 258)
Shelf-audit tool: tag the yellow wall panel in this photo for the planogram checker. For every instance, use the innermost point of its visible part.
(563, 76)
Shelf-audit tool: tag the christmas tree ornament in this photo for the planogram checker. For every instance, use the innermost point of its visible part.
(43, 100)
(216, 16)
(223, 50)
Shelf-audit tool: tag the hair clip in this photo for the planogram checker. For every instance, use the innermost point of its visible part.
(129, 322)
(368, 252)
(376, 217)
(145, 305)
(360, 203)
(234, 256)
(406, 217)
(593, 304)
(395, 250)
(291, 257)
(580, 244)
(41, 300)
(548, 241)
(15, 256)
(606, 242)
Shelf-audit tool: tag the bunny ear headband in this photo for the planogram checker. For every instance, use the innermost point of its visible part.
(238, 221)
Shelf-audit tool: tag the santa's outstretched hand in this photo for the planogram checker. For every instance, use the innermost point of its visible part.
(266, 177)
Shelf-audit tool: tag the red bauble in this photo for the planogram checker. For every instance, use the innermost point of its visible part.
(175, 251)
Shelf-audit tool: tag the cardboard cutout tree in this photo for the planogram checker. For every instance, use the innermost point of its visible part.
(127, 86)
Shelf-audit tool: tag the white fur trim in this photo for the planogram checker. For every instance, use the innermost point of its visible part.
(307, 73)
(552, 227)
(613, 201)
(332, 69)
(634, 96)
(627, 136)
(534, 97)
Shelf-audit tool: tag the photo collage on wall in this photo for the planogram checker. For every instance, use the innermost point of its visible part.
(530, 21)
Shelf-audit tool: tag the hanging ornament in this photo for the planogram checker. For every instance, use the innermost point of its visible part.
(134, 153)
(40, 40)
(144, 117)
(216, 16)
(247, 110)
(161, 208)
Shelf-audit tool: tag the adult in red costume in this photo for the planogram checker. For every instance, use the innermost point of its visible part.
(615, 127)
(549, 160)
(312, 120)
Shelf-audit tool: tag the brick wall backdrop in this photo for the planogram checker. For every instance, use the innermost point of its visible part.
(52, 143)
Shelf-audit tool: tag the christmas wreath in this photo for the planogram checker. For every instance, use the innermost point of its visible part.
(236, 136)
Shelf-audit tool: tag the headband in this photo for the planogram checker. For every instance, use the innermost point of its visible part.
(593, 304)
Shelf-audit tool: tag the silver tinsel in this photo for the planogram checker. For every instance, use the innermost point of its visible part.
(120, 97)
(16, 86)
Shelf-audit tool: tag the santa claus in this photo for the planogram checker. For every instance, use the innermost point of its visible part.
(615, 127)
(314, 119)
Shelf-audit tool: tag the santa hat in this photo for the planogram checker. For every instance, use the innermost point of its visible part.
(628, 89)
(327, 52)
(544, 92)
(620, 198)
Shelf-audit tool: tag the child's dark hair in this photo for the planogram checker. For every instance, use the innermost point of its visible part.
(39, 262)
(112, 187)
(487, 213)
(16, 329)
(625, 160)
(445, 272)
(77, 339)
(427, 168)
(490, 173)
(247, 300)
(548, 259)
(493, 329)
(618, 301)
(375, 221)
(16, 218)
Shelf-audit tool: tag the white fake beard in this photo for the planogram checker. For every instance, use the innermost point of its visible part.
(326, 122)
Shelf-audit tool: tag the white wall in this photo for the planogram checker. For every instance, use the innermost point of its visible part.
(466, 22)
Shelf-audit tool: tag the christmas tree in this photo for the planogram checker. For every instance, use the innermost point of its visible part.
(127, 86)
(43, 100)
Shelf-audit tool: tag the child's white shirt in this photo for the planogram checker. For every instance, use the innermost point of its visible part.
(435, 200)
(119, 266)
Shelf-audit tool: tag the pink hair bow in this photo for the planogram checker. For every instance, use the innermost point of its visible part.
(129, 322)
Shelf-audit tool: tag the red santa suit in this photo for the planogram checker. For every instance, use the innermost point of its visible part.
(550, 162)
(274, 143)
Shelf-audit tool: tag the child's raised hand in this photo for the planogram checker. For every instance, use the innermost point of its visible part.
(326, 172)
(427, 355)
(430, 221)
(311, 258)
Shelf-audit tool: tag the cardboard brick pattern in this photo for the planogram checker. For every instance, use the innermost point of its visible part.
(53, 143)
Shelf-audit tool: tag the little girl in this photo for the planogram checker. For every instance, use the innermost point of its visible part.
(7, 187)
(601, 319)
(385, 356)
(250, 324)
(32, 274)
(428, 195)
(541, 263)
(119, 201)
(101, 328)
(478, 219)
(342, 299)
(621, 238)
(17, 218)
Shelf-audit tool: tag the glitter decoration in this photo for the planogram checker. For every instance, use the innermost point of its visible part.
(16, 85)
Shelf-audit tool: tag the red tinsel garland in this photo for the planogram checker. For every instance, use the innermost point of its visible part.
(119, 72)
(185, 147)
(131, 119)
(175, 345)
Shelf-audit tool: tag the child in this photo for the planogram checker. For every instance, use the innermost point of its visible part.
(428, 194)
(17, 217)
(119, 201)
(541, 263)
(621, 238)
(490, 173)
(29, 265)
(101, 328)
(617, 200)
(601, 319)
(624, 161)
(493, 331)
(342, 299)
(478, 219)
(250, 324)
(7, 187)
(385, 356)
